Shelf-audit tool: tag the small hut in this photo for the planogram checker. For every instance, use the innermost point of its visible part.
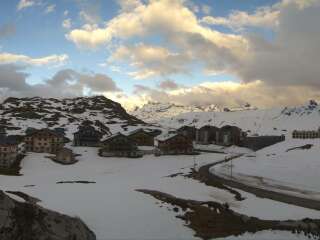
(65, 156)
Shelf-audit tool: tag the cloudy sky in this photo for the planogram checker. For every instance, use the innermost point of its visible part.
(265, 52)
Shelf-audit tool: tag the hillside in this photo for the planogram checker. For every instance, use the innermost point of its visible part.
(254, 121)
(152, 112)
(17, 114)
(290, 167)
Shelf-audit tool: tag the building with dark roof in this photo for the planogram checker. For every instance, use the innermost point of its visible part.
(87, 135)
(141, 137)
(230, 135)
(8, 151)
(188, 131)
(43, 140)
(173, 144)
(119, 145)
(207, 134)
(65, 156)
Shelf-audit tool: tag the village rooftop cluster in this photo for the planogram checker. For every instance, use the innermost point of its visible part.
(137, 143)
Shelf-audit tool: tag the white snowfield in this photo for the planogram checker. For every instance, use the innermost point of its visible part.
(275, 121)
(293, 172)
(114, 210)
(153, 112)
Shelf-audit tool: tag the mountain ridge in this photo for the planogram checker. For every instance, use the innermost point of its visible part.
(17, 114)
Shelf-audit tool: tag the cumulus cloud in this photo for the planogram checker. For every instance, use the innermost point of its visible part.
(265, 66)
(291, 57)
(25, 4)
(168, 85)
(47, 60)
(50, 8)
(67, 23)
(151, 60)
(155, 17)
(65, 83)
(263, 17)
(223, 94)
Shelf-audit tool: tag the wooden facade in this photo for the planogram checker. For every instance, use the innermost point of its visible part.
(8, 152)
(173, 144)
(44, 141)
(142, 138)
(207, 134)
(87, 135)
(230, 135)
(119, 145)
(188, 131)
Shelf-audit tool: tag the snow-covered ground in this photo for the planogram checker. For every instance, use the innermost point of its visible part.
(217, 148)
(294, 172)
(114, 210)
(274, 121)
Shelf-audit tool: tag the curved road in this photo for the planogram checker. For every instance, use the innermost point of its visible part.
(206, 175)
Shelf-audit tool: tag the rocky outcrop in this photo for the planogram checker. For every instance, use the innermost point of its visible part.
(19, 113)
(28, 221)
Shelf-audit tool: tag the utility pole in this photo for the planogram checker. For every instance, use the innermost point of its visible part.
(231, 168)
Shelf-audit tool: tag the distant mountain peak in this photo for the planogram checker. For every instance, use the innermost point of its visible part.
(155, 111)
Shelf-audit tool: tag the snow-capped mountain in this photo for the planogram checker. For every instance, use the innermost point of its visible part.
(17, 114)
(153, 112)
(254, 121)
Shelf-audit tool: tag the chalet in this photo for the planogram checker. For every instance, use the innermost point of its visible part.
(8, 150)
(207, 134)
(188, 131)
(230, 135)
(16, 139)
(119, 145)
(65, 156)
(19, 139)
(87, 135)
(142, 137)
(43, 140)
(306, 134)
(172, 144)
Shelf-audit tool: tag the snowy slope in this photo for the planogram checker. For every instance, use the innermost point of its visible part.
(114, 210)
(254, 121)
(283, 167)
(154, 111)
(17, 114)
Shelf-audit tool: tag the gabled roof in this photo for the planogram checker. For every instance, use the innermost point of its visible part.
(208, 126)
(229, 127)
(166, 137)
(186, 127)
(65, 150)
(8, 141)
(139, 130)
(46, 130)
(86, 127)
(113, 137)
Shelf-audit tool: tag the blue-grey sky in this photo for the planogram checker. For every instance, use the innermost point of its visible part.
(185, 51)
